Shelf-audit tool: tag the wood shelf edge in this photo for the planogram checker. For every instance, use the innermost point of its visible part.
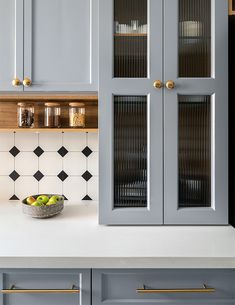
(30, 130)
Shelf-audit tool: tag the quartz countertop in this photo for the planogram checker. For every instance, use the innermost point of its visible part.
(74, 239)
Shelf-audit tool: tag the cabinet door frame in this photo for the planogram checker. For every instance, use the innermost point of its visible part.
(55, 86)
(109, 87)
(216, 86)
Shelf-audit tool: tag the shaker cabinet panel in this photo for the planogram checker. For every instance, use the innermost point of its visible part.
(60, 45)
(45, 287)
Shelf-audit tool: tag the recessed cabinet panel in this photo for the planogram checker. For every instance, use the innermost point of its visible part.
(194, 38)
(130, 38)
(130, 151)
(194, 163)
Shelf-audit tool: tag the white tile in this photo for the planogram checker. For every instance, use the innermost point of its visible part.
(26, 163)
(74, 163)
(26, 186)
(6, 163)
(6, 141)
(93, 163)
(74, 188)
(93, 141)
(26, 141)
(50, 163)
(50, 185)
(6, 188)
(74, 141)
(93, 188)
(50, 141)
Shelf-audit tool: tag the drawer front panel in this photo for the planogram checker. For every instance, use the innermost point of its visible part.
(45, 287)
(164, 286)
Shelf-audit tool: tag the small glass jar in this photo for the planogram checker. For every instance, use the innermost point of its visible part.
(52, 115)
(77, 115)
(25, 115)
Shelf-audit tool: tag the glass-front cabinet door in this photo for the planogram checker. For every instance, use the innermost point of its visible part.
(163, 111)
(195, 112)
(130, 117)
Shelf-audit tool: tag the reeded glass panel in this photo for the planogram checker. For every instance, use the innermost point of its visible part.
(130, 38)
(194, 38)
(194, 168)
(130, 151)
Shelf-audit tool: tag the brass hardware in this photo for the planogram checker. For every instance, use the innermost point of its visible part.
(16, 82)
(27, 82)
(230, 8)
(170, 84)
(14, 290)
(158, 84)
(205, 289)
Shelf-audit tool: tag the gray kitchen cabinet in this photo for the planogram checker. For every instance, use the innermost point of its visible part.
(49, 45)
(163, 286)
(51, 287)
(163, 112)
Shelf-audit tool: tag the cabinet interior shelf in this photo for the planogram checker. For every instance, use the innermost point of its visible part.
(31, 130)
(131, 35)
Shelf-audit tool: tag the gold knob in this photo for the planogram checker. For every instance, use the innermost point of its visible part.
(170, 84)
(16, 82)
(27, 82)
(158, 84)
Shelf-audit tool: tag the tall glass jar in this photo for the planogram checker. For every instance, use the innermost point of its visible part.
(25, 115)
(52, 115)
(77, 115)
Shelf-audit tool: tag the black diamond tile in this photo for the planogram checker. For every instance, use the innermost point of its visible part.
(14, 151)
(62, 175)
(38, 175)
(87, 176)
(14, 175)
(65, 198)
(87, 151)
(87, 197)
(38, 151)
(14, 197)
(62, 151)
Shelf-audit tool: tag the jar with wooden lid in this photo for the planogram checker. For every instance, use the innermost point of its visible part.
(25, 115)
(77, 115)
(52, 115)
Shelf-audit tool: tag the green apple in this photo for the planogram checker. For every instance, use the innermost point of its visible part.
(42, 199)
(37, 204)
(30, 200)
(53, 200)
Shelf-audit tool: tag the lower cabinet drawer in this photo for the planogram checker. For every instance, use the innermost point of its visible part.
(49, 287)
(164, 286)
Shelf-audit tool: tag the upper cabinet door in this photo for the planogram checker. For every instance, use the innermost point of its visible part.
(60, 45)
(11, 44)
(130, 116)
(196, 112)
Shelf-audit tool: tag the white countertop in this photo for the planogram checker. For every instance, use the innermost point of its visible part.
(74, 239)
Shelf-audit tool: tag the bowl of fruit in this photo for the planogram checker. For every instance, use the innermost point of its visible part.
(43, 206)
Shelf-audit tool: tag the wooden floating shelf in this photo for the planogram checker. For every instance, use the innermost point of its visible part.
(48, 130)
(40, 97)
(131, 35)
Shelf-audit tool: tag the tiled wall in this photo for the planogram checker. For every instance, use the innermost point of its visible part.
(38, 163)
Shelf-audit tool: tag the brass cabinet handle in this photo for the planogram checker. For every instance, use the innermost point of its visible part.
(170, 84)
(157, 84)
(14, 290)
(16, 82)
(27, 82)
(205, 289)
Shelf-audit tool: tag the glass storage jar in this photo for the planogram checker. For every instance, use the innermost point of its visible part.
(52, 115)
(25, 115)
(77, 114)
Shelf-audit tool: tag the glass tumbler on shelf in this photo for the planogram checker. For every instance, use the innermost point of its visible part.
(77, 114)
(25, 115)
(52, 115)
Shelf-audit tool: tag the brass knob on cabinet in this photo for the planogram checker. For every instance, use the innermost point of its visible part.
(27, 82)
(16, 82)
(158, 84)
(170, 84)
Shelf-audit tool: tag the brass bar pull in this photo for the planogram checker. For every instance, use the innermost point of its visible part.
(14, 290)
(205, 289)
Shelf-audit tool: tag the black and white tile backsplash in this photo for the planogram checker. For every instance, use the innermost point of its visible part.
(37, 163)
